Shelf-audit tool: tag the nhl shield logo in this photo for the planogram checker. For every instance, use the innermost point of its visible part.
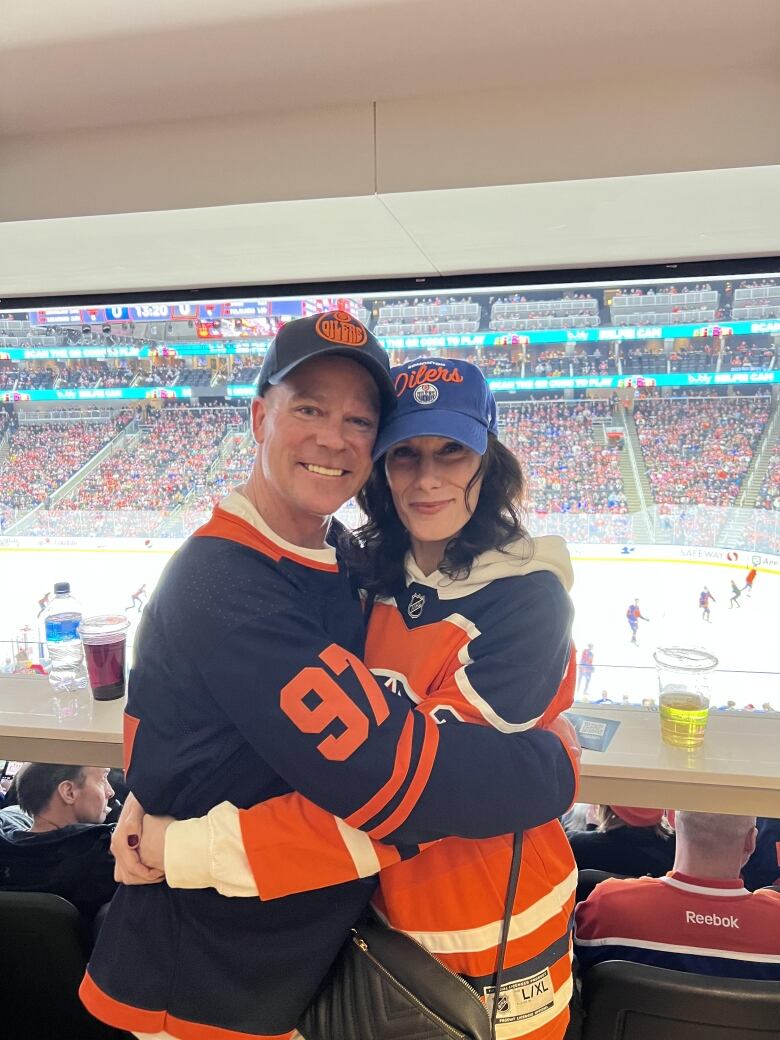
(416, 604)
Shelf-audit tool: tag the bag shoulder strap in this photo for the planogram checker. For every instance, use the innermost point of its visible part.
(511, 892)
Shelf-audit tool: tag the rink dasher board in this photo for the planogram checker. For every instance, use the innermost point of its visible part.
(737, 559)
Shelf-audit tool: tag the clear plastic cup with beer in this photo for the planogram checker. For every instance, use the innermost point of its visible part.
(683, 694)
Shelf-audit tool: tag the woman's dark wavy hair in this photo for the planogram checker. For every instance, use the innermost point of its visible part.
(495, 522)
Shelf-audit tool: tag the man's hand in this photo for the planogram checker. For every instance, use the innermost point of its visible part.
(129, 868)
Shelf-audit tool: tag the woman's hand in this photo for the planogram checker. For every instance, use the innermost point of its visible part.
(568, 734)
(152, 848)
(129, 868)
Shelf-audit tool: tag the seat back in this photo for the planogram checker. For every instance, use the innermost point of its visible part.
(588, 879)
(46, 944)
(625, 1001)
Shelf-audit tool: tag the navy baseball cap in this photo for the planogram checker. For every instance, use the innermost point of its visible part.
(337, 333)
(440, 397)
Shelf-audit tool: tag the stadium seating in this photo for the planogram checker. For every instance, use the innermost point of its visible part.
(40, 457)
(34, 378)
(566, 312)
(756, 302)
(50, 943)
(152, 473)
(750, 356)
(769, 493)
(665, 307)
(698, 453)
(228, 471)
(431, 317)
(189, 376)
(625, 1001)
(244, 374)
(566, 471)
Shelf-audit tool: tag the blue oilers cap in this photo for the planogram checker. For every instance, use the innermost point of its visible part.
(440, 397)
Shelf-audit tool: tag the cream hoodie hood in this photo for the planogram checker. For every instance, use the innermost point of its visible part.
(524, 556)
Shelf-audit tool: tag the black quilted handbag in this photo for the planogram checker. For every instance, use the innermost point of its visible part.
(385, 986)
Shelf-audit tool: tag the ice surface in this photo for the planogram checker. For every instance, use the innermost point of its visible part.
(746, 640)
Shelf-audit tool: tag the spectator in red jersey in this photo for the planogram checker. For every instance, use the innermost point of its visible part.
(698, 918)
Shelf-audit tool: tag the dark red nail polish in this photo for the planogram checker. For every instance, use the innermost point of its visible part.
(132, 840)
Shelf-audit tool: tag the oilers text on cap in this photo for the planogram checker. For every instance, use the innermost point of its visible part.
(440, 397)
(336, 333)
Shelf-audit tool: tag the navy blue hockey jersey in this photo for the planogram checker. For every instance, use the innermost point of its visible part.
(248, 684)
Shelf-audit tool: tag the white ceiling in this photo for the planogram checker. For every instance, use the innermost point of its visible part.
(87, 64)
(127, 88)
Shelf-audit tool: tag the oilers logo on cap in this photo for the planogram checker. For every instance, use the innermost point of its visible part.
(426, 393)
(440, 397)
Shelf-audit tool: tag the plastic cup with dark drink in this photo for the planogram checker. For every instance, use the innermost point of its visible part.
(105, 637)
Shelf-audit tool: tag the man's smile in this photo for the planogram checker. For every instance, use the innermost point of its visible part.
(324, 471)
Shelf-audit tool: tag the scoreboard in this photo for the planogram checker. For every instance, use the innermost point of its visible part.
(143, 312)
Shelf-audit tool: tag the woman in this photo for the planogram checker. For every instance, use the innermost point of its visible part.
(627, 841)
(471, 620)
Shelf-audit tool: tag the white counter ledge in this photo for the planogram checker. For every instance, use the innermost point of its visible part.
(39, 725)
(737, 770)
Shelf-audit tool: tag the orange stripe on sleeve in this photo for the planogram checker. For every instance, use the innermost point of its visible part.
(417, 786)
(139, 1020)
(129, 730)
(294, 846)
(403, 757)
(184, 1030)
(117, 1014)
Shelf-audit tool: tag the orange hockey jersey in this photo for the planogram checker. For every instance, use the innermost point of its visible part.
(494, 649)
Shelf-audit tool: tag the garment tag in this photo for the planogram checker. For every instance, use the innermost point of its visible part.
(522, 998)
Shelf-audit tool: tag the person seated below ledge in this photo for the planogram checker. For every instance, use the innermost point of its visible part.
(626, 840)
(67, 849)
(698, 918)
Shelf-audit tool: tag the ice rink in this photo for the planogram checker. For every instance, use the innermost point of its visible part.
(746, 640)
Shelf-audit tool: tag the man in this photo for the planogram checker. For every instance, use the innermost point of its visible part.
(751, 577)
(736, 592)
(586, 668)
(705, 598)
(67, 849)
(247, 684)
(137, 599)
(763, 868)
(634, 616)
(698, 918)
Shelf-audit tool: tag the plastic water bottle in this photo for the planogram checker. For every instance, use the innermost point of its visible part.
(66, 654)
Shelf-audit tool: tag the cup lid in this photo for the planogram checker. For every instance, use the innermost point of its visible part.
(685, 659)
(103, 625)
